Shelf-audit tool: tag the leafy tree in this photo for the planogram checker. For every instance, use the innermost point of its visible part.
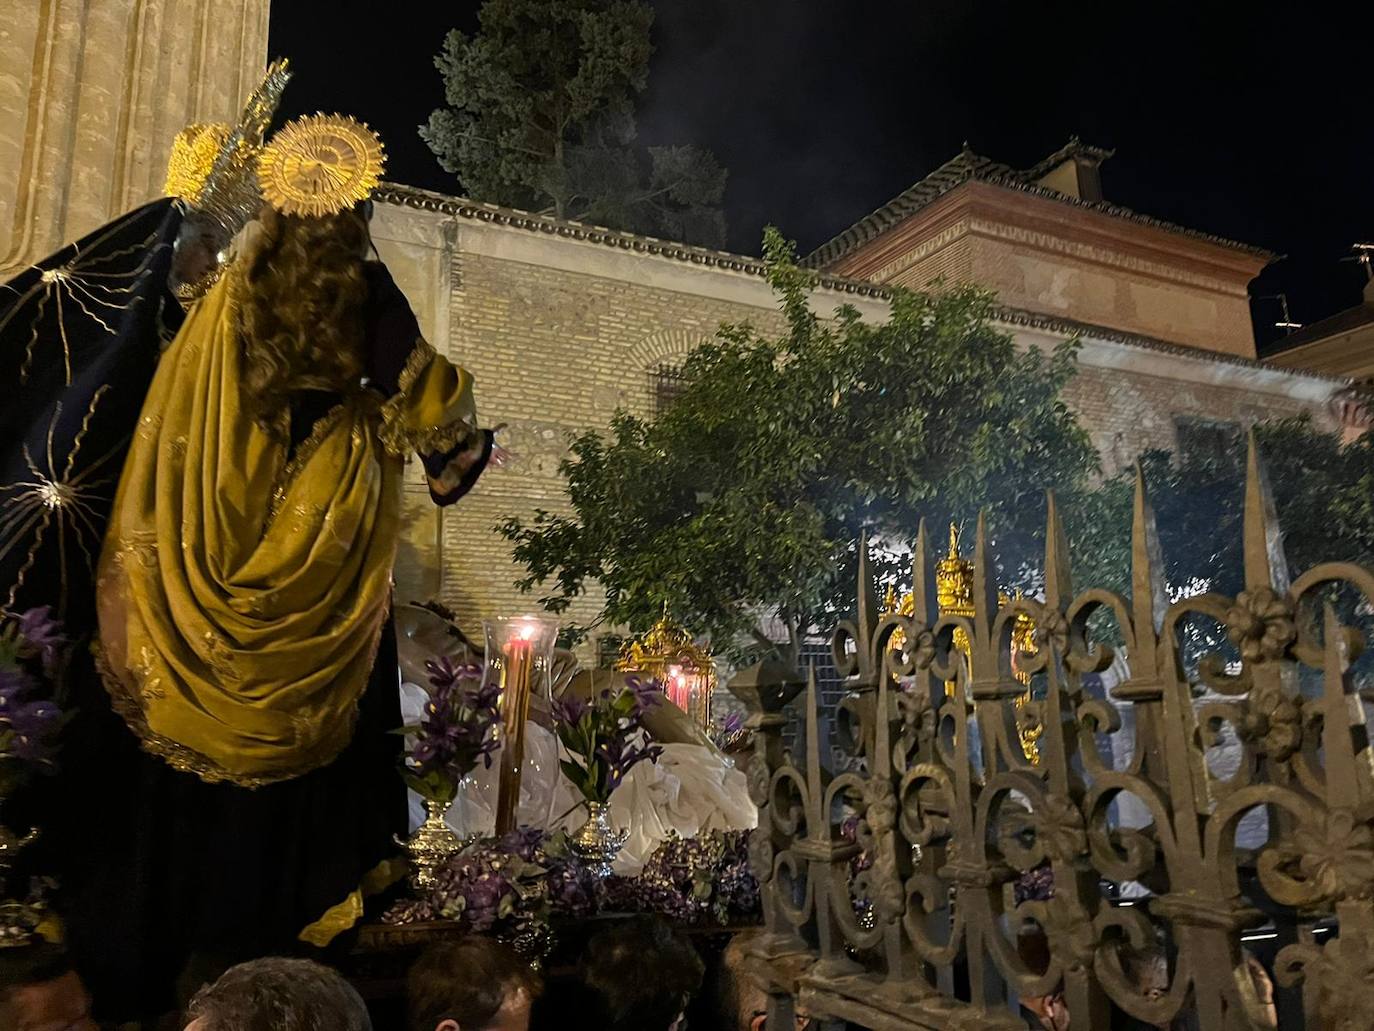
(540, 115)
(1323, 493)
(739, 505)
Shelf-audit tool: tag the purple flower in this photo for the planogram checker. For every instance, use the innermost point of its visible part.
(570, 709)
(604, 737)
(647, 695)
(43, 633)
(14, 685)
(458, 727)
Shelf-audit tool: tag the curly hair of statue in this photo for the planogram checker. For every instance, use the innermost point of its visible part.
(302, 314)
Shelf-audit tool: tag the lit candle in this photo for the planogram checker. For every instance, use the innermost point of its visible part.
(678, 690)
(517, 670)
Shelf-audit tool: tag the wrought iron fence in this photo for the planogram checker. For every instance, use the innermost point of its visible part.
(982, 887)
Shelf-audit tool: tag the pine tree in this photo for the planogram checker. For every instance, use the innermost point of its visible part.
(540, 115)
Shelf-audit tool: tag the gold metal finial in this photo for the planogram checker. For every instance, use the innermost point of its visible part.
(954, 580)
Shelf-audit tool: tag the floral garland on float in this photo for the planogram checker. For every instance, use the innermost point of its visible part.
(32, 649)
(517, 888)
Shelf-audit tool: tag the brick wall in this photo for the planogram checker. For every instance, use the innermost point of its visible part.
(558, 332)
(1126, 413)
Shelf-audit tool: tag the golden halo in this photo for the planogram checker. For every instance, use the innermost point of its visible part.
(320, 165)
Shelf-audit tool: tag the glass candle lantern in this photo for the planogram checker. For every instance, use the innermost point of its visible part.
(520, 654)
(668, 654)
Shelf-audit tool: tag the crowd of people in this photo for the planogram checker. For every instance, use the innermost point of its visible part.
(639, 974)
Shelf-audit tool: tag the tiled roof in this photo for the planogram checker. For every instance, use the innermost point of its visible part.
(967, 166)
(425, 200)
(1341, 322)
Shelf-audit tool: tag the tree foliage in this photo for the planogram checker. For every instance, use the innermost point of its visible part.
(540, 114)
(742, 500)
(1323, 493)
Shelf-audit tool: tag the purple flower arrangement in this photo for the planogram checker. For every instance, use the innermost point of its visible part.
(31, 649)
(605, 737)
(507, 887)
(512, 887)
(459, 728)
(703, 880)
(1034, 885)
(729, 734)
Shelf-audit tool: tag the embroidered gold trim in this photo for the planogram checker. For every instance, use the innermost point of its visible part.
(326, 425)
(188, 294)
(416, 362)
(441, 439)
(398, 439)
(125, 702)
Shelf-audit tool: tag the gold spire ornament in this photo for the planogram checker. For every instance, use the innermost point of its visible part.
(193, 155)
(230, 194)
(954, 596)
(320, 165)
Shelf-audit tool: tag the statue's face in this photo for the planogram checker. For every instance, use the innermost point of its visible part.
(197, 251)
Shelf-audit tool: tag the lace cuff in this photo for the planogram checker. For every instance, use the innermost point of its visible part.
(432, 409)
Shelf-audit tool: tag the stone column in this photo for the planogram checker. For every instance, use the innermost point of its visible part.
(92, 93)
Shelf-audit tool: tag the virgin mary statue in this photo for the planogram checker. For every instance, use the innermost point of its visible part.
(232, 785)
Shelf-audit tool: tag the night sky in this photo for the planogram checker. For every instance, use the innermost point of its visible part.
(1253, 121)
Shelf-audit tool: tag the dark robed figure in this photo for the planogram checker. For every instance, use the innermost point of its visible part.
(220, 520)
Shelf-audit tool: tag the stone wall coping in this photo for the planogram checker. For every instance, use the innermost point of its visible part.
(512, 218)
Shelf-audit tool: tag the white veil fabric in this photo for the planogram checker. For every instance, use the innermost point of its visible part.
(691, 790)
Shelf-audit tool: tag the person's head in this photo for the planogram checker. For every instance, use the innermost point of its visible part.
(278, 995)
(642, 973)
(475, 984)
(39, 991)
(196, 252)
(302, 314)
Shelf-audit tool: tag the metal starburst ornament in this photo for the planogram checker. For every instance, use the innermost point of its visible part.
(320, 165)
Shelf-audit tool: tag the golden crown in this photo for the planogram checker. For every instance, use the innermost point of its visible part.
(193, 155)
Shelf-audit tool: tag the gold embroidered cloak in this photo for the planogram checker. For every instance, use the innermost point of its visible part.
(241, 590)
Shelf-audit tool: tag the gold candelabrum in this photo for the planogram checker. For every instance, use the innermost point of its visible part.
(669, 654)
(954, 595)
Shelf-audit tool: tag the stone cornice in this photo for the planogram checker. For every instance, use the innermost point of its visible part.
(458, 207)
(1072, 327)
(993, 213)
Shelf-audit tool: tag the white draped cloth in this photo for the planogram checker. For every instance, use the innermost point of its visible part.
(690, 791)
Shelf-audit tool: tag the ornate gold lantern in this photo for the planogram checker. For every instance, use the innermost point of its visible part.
(667, 653)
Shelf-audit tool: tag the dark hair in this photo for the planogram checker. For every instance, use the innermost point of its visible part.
(643, 974)
(466, 981)
(280, 995)
(302, 315)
